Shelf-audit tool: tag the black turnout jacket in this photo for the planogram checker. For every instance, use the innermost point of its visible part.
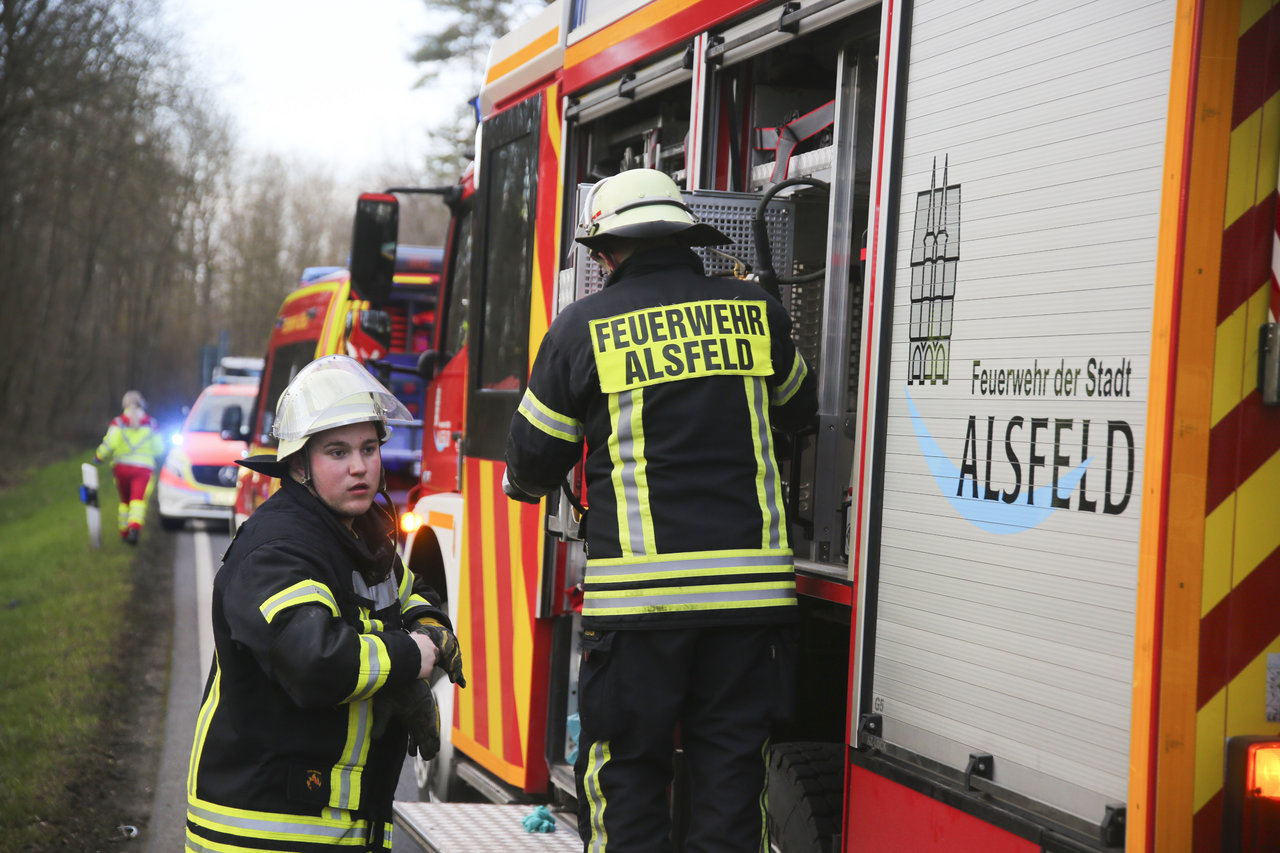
(309, 623)
(675, 381)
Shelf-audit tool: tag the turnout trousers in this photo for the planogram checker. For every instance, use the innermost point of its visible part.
(722, 689)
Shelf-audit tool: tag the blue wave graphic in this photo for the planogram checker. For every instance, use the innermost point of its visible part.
(992, 516)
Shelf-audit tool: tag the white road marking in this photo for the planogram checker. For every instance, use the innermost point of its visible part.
(204, 595)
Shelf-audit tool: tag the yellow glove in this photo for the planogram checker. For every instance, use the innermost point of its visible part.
(450, 659)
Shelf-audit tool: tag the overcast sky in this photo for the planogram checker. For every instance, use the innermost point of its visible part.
(327, 80)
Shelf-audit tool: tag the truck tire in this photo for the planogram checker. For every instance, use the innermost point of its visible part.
(438, 780)
(805, 788)
(169, 522)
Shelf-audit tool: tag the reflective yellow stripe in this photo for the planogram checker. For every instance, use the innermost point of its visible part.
(596, 801)
(643, 573)
(773, 533)
(630, 480)
(639, 497)
(714, 337)
(202, 725)
(345, 778)
(734, 559)
(791, 384)
(619, 489)
(748, 579)
(548, 420)
(340, 830)
(758, 448)
(302, 592)
(689, 598)
(375, 667)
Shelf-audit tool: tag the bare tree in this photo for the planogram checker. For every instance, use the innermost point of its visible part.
(109, 169)
(130, 234)
(459, 46)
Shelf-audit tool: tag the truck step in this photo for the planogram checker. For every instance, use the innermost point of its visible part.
(479, 828)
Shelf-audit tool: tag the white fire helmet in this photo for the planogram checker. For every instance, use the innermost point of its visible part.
(133, 400)
(642, 203)
(332, 391)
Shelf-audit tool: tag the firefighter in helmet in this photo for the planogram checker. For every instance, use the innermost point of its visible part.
(133, 447)
(324, 641)
(675, 382)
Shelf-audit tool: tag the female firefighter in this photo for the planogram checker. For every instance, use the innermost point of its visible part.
(323, 640)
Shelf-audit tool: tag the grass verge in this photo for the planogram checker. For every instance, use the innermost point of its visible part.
(64, 608)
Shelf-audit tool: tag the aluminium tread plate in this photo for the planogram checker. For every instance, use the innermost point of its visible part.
(478, 828)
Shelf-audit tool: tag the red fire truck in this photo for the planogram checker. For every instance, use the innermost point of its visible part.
(383, 326)
(1027, 248)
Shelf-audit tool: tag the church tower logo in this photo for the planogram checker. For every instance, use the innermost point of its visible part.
(935, 255)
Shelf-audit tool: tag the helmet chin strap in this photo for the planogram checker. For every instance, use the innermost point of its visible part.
(392, 514)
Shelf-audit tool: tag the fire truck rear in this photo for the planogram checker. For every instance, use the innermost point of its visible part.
(383, 325)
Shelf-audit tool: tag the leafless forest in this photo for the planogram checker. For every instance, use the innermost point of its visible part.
(132, 230)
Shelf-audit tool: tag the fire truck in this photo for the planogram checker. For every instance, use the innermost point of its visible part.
(384, 326)
(1027, 249)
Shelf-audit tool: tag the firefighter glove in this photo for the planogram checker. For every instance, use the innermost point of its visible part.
(516, 492)
(450, 659)
(414, 705)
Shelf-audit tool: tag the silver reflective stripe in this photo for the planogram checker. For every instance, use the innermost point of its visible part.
(382, 594)
(691, 566)
(124, 433)
(344, 795)
(262, 824)
(688, 598)
(551, 422)
(370, 677)
(773, 535)
(629, 465)
(303, 592)
(665, 584)
(791, 384)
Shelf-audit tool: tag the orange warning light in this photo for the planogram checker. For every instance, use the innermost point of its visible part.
(409, 521)
(1264, 770)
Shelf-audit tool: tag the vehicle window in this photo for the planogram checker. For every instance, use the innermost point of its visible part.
(286, 361)
(459, 297)
(509, 198)
(207, 415)
(502, 277)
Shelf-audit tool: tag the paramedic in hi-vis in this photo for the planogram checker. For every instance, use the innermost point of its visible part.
(133, 447)
(675, 381)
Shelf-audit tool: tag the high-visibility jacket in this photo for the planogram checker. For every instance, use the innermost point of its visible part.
(126, 444)
(289, 753)
(675, 381)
